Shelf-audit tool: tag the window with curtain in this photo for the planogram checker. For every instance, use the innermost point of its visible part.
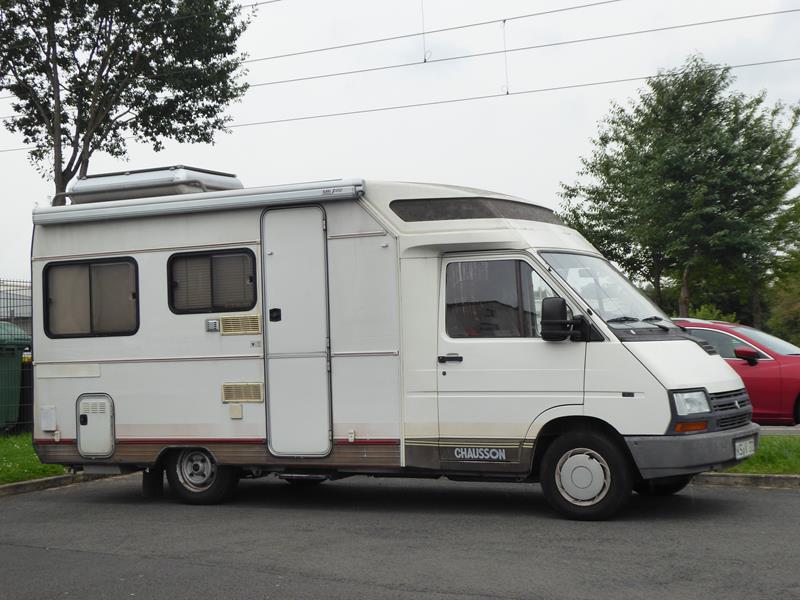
(210, 282)
(493, 298)
(92, 298)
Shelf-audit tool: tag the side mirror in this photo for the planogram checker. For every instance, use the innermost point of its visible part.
(555, 324)
(746, 353)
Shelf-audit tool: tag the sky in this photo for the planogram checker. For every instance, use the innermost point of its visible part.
(520, 144)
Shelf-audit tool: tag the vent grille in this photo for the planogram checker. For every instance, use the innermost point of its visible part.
(240, 325)
(734, 421)
(93, 408)
(730, 400)
(706, 346)
(243, 392)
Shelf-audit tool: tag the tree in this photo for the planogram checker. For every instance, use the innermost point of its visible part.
(688, 175)
(87, 75)
(784, 320)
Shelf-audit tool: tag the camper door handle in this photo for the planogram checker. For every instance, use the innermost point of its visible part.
(451, 358)
(274, 314)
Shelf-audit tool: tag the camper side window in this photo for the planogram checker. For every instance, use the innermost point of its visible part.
(91, 298)
(493, 298)
(207, 282)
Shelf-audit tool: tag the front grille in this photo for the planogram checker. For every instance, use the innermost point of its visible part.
(734, 400)
(732, 409)
(733, 421)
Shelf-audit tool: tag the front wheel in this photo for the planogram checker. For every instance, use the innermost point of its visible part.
(196, 478)
(662, 487)
(586, 476)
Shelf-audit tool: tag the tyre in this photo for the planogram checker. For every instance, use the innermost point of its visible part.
(196, 479)
(662, 487)
(586, 476)
(153, 482)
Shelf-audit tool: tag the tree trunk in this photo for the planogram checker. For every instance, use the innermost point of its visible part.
(58, 159)
(683, 300)
(755, 303)
(657, 290)
(60, 185)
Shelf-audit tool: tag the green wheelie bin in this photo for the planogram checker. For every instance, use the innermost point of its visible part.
(13, 340)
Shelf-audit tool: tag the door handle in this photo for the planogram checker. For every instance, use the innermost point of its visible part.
(274, 314)
(84, 419)
(451, 358)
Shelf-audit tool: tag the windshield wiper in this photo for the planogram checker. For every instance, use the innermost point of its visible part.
(623, 319)
(654, 320)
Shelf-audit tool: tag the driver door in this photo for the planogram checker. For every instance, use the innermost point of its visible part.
(496, 374)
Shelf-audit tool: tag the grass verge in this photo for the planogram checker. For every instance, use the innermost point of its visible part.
(776, 455)
(18, 461)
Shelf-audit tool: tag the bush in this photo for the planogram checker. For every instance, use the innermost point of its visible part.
(709, 312)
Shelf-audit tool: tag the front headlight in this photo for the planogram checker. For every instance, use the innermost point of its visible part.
(689, 403)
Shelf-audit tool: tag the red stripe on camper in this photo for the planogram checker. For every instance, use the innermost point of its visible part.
(167, 441)
(376, 442)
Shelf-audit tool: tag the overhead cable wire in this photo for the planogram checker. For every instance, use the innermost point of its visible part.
(480, 97)
(404, 36)
(521, 49)
(426, 52)
(501, 94)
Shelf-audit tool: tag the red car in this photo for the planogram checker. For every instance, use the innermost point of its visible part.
(769, 367)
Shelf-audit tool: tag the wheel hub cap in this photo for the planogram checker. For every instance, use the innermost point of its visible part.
(583, 476)
(196, 470)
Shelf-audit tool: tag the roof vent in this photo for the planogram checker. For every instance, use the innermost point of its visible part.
(148, 183)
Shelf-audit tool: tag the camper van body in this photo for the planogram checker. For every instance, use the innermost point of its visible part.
(346, 331)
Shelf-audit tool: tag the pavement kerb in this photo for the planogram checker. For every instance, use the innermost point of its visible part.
(34, 485)
(784, 482)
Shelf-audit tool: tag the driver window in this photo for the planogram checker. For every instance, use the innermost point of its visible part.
(493, 299)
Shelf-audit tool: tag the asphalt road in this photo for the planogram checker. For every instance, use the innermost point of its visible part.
(387, 538)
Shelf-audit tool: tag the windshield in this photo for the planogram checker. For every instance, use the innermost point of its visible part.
(607, 291)
(770, 341)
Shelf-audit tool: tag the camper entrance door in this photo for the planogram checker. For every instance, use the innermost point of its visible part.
(296, 332)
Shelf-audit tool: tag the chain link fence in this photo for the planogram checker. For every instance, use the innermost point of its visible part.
(16, 370)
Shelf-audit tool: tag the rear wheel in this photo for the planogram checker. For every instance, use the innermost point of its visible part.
(662, 487)
(586, 476)
(197, 479)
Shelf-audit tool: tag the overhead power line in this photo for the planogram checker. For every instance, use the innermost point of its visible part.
(404, 36)
(523, 48)
(500, 94)
(504, 51)
(401, 36)
(474, 98)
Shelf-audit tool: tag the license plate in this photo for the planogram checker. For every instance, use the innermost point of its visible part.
(744, 448)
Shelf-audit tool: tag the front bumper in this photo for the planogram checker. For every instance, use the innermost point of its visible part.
(668, 455)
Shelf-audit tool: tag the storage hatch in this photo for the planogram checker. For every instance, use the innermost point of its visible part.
(95, 425)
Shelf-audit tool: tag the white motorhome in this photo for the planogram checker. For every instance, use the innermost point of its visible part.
(335, 328)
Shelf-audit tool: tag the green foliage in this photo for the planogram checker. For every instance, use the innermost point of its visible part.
(784, 320)
(710, 312)
(18, 461)
(88, 74)
(776, 455)
(691, 178)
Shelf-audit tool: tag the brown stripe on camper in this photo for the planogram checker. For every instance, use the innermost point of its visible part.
(360, 453)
